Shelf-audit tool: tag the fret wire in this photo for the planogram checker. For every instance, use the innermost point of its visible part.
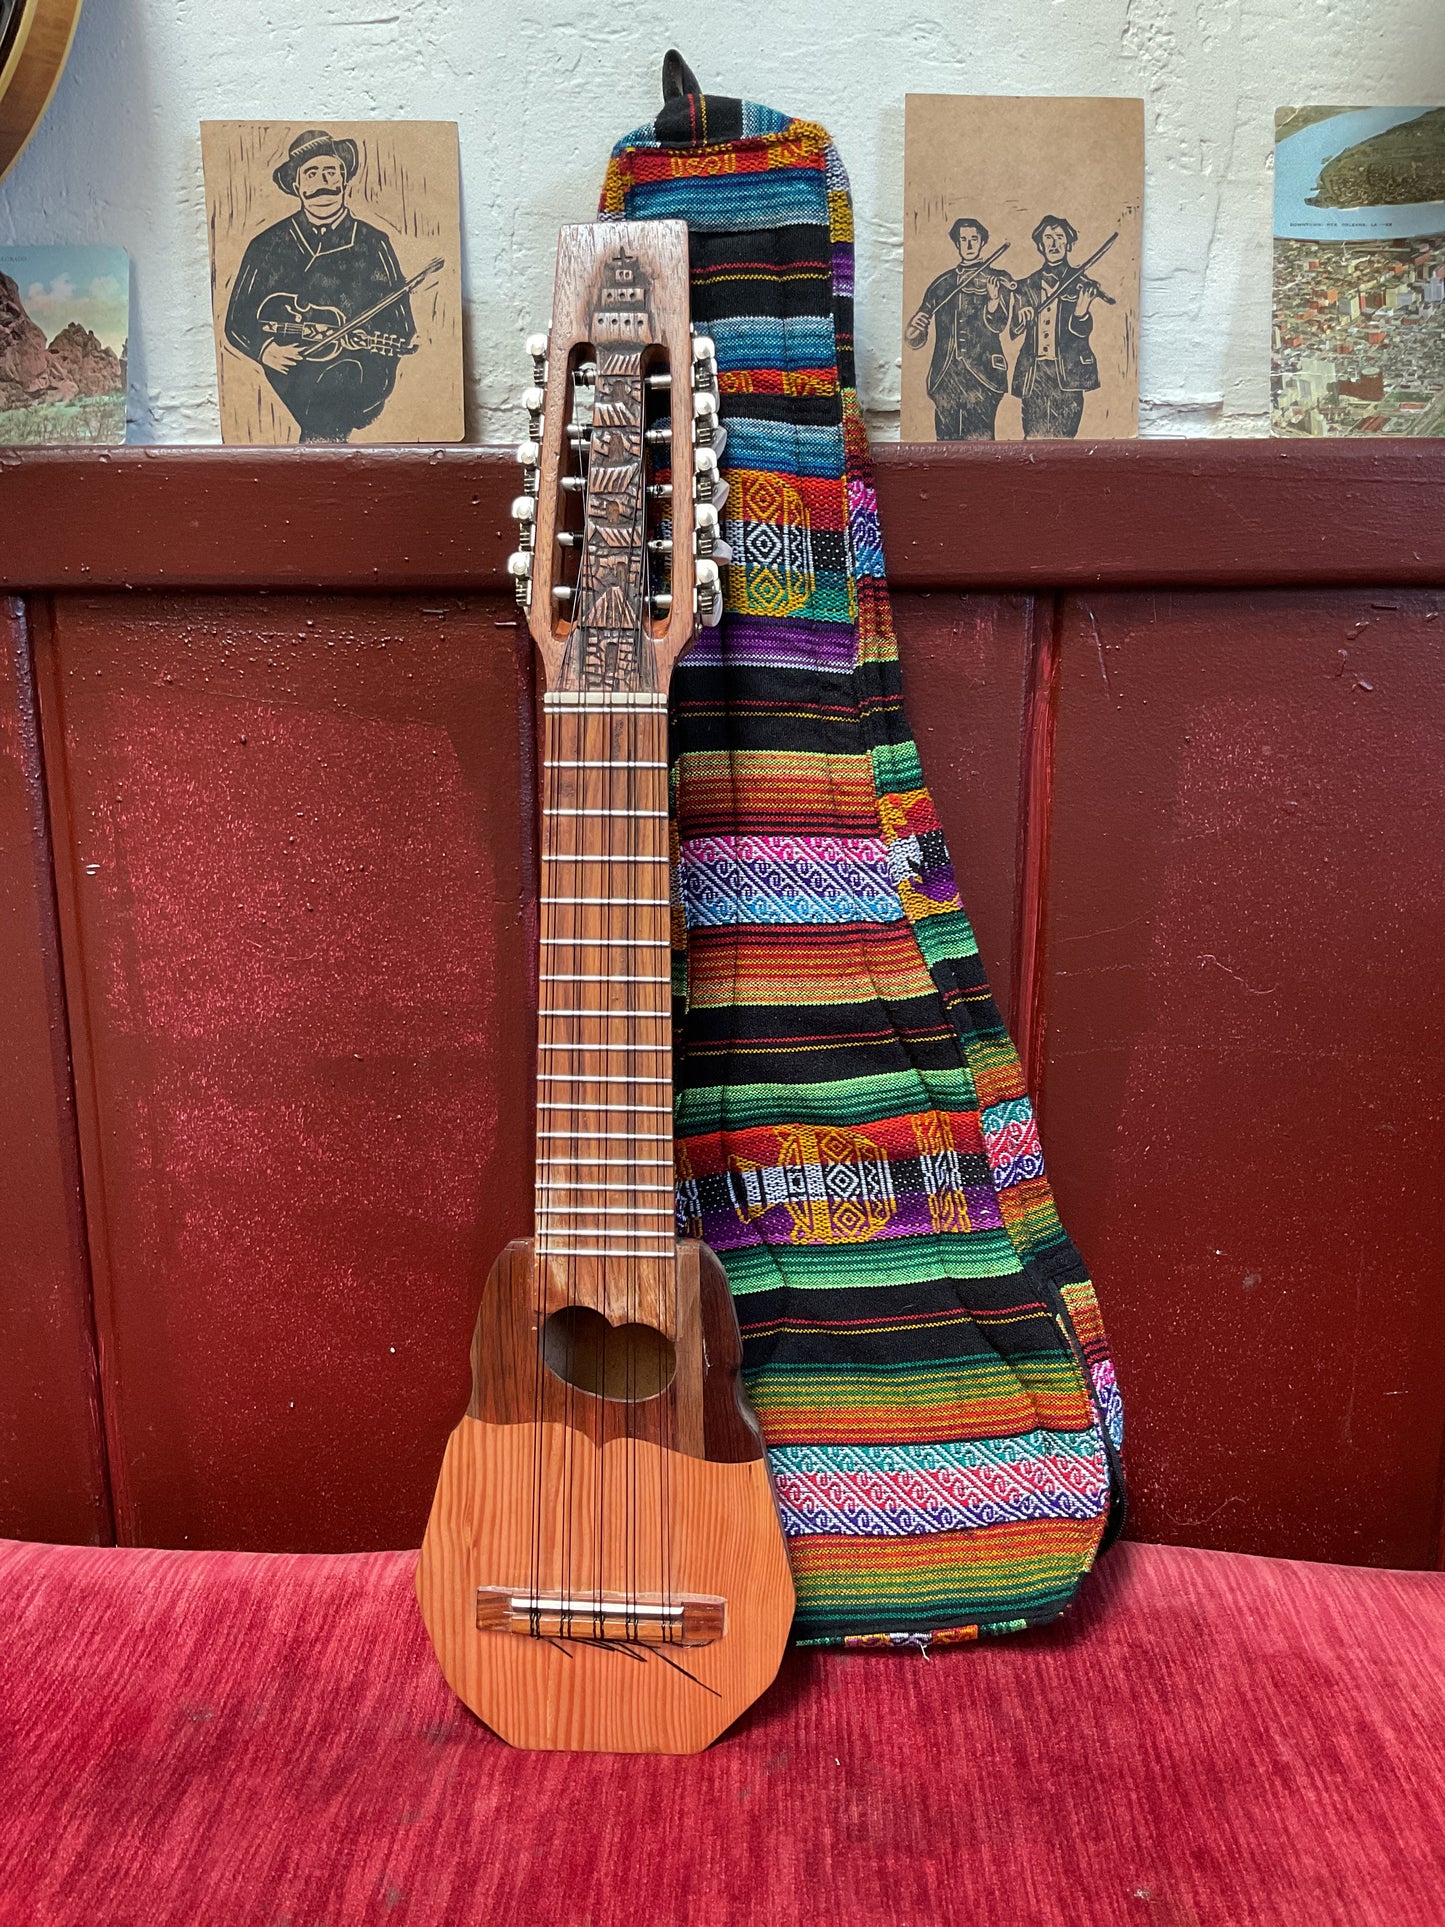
(578, 977)
(649, 815)
(634, 903)
(605, 1211)
(651, 1110)
(662, 1252)
(563, 1184)
(597, 856)
(618, 1233)
(566, 1077)
(566, 1044)
(615, 943)
(555, 762)
(621, 1190)
(610, 1137)
(613, 1164)
(657, 1015)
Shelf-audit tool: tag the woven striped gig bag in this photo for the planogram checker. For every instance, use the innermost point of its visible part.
(922, 1345)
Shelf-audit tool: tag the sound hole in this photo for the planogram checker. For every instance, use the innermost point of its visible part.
(630, 1362)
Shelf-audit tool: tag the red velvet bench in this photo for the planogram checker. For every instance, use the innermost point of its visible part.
(1209, 1741)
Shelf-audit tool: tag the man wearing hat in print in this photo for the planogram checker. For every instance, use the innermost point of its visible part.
(322, 257)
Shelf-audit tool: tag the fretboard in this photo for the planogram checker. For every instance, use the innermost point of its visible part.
(604, 1037)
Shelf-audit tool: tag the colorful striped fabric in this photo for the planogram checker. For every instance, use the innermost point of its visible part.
(922, 1345)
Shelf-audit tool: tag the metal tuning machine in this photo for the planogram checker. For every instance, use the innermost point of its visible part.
(709, 491)
(524, 506)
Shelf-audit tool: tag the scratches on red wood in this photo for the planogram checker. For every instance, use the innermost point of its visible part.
(297, 912)
(1035, 846)
(1245, 1074)
(52, 1456)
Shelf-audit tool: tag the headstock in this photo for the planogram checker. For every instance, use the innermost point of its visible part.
(619, 553)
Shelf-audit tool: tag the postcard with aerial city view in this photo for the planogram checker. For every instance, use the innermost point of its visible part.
(1359, 271)
(64, 323)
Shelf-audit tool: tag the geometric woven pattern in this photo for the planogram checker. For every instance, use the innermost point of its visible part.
(921, 1342)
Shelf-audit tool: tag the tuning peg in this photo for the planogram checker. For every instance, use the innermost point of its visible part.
(519, 567)
(562, 591)
(527, 453)
(660, 380)
(703, 348)
(709, 592)
(704, 405)
(537, 346)
(705, 515)
(524, 508)
(534, 400)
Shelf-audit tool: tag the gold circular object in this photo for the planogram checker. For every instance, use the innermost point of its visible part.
(35, 37)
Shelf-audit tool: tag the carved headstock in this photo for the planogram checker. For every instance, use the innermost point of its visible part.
(619, 517)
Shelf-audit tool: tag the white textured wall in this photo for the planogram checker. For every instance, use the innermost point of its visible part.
(541, 91)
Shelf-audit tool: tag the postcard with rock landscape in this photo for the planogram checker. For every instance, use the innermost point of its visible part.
(64, 323)
(1359, 271)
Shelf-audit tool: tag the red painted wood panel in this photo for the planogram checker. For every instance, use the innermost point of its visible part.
(971, 516)
(1244, 1077)
(291, 882)
(52, 1462)
(966, 666)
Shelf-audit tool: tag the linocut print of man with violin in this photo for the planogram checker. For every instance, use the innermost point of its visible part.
(334, 309)
(968, 307)
(301, 285)
(1055, 367)
(1022, 224)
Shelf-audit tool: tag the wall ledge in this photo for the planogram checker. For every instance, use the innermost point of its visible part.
(1061, 515)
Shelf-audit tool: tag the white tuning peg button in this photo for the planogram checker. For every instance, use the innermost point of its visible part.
(524, 508)
(704, 404)
(527, 453)
(534, 400)
(704, 461)
(707, 575)
(519, 564)
(705, 515)
(537, 346)
(704, 348)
